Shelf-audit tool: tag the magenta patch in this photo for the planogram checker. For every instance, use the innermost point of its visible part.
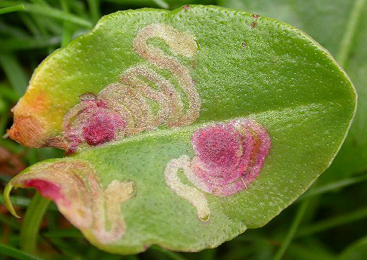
(47, 189)
(229, 156)
(93, 123)
(101, 127)
(218, 146)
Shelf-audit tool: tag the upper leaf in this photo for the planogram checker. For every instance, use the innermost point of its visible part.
(341, 27)
(185, 127)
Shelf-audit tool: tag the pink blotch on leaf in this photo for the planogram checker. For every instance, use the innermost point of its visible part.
(47, 189)
(101, 127)
(95, 123)
(218, 146)
(229, 156)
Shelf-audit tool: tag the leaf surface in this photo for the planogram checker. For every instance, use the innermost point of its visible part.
(341, 27)
(184, 127)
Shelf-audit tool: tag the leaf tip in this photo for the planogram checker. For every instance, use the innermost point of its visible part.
(7, 200)
(26, 131)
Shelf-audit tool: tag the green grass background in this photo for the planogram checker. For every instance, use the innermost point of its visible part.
(328, 222)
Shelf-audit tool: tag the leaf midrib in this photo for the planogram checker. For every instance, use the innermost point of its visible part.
(167, 132)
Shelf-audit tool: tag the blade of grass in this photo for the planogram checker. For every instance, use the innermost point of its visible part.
(31, 156)
(350, 31)
(334, 186)
(12, 31)
(52, 221)
(30, 24)
(332, 222)
(11, 9)
(12, 252)
(28, 44)
(52, 26)
(67, 30)
(8, 94)
(57, 14)
(50, 12)
(78, 8)
(14, 72)
(41, 27)
(94, 10)
(292, 231)
(32, 222)
(46, 25)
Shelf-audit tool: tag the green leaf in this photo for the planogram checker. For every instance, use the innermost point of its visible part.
(184, 128)
(341, 27)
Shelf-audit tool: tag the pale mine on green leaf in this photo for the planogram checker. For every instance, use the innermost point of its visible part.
(128, 98)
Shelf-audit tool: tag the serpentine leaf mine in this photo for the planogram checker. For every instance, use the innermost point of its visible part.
(123, 108)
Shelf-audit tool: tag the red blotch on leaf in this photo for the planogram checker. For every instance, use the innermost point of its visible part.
(47, 189)
(95, 123)
(229, 156)
(100, 128)
(218, 146)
